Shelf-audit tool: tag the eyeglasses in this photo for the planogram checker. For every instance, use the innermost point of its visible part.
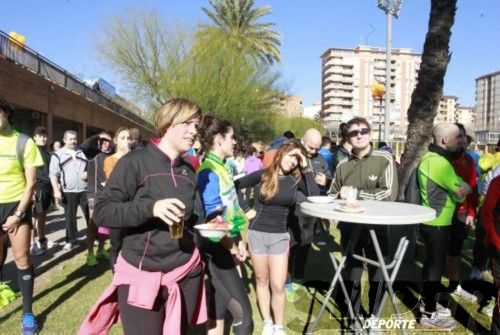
(355, 133)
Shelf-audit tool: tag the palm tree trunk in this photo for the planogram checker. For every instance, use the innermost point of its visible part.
(429, 91)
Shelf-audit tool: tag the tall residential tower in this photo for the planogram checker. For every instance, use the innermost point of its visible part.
(347, 77)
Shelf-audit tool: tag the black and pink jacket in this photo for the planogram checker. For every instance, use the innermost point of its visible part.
(139, 179)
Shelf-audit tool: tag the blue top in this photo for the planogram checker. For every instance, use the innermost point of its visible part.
(208, 185)
(328, 156)
(475, 157)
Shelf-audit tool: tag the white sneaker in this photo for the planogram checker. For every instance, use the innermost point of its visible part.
(49, 244)
(489, 307)
(268, 327)
(440, 309)
(437, 321)
(279, 330)
(460, 293)
(69, 245)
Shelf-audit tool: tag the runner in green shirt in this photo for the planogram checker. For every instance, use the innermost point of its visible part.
(18, 163)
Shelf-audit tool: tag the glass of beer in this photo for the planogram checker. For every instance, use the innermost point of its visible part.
(177, 228)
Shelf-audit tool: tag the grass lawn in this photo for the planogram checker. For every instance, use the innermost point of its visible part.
(65, 293)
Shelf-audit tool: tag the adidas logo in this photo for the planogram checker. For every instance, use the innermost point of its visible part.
(372, 177)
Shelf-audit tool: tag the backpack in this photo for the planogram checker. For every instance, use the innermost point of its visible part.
(22, 139)
(412, 189)
(411, 196)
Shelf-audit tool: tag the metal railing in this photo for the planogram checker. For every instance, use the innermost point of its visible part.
(40, 65)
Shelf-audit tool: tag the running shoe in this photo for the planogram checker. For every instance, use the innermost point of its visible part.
(102, 254)
(267, 327)
(460, 293)
(29, 325)
(279, 330)
(37, 249)
(437, 321)
(291, 292)
(70, 245)
(440, 309)
(91, 259)
(488, 308)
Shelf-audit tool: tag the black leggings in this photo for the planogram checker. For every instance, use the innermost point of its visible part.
(479, 253)
(72, 201)
(436, 247)
(227, 291)
(137, 320)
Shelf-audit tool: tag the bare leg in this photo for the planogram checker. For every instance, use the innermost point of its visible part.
(261, 270)
(20, 241)
(279, 266)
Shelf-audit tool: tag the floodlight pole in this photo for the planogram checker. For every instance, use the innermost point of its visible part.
(390, 7)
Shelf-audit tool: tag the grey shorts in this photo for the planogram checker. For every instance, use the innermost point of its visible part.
(262, 243)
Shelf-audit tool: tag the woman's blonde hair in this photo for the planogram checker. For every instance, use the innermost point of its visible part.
(173, 112)
(269, 185)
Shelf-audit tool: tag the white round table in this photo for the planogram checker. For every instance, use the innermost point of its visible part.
(383, 213)
(376, 212)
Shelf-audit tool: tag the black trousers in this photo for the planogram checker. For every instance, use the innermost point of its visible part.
(137, 320)
(479, 253)
(71, 203)
(436, 247)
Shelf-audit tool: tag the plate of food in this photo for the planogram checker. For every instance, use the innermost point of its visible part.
(213, 229)
(320, 199)
(350, 208)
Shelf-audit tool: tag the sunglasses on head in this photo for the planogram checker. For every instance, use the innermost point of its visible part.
(354, 133)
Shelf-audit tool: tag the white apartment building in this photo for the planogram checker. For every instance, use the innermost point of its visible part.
(447, 109)
(465, 115)
(347, 77)
(487, 117)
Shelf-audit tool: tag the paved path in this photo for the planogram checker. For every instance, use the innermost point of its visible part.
(56, 232)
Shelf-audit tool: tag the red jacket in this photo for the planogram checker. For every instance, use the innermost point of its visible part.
(490, 214)
(465, 169)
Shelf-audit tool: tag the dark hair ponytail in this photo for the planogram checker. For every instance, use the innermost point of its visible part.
(210, 127)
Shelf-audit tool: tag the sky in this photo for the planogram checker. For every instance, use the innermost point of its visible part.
(65, 31)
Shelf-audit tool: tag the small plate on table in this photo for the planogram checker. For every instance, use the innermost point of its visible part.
(320, 199)
(213, 230)
(350, 209)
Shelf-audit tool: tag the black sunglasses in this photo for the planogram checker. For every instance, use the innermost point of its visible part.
(355, 133)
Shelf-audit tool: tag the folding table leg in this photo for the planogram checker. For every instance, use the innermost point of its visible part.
(387, 278)
(338, 277)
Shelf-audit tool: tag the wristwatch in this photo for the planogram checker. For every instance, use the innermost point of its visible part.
(19, 214)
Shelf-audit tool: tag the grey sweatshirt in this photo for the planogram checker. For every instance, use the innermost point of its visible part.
(68, 165)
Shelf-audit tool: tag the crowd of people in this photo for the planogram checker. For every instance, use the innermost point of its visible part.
(147, 197)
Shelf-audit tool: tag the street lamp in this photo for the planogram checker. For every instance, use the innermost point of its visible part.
(391, 8)
(378, 91)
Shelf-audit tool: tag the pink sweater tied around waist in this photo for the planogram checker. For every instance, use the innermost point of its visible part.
(143, 290)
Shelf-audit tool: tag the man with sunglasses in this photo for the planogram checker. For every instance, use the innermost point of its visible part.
(373, 174)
